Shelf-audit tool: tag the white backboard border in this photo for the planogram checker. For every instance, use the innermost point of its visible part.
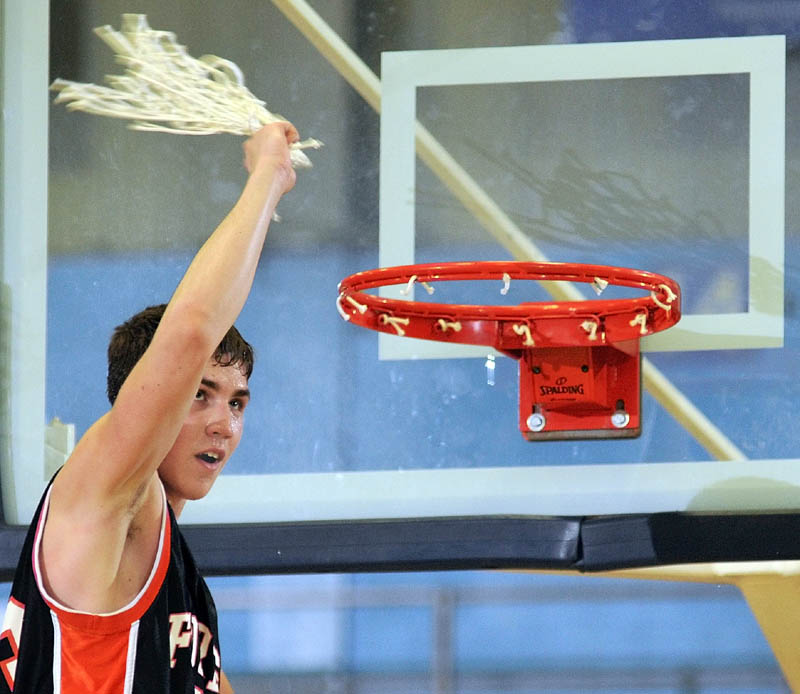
(761, 57)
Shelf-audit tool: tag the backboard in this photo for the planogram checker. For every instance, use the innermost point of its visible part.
(660, 150)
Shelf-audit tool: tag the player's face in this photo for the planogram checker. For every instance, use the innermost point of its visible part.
(209, 436)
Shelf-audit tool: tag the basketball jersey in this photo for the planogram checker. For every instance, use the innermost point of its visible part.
(163, 642)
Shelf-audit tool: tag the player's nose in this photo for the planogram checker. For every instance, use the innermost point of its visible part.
(220, 423)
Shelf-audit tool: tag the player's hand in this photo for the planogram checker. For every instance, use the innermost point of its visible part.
(269, 147)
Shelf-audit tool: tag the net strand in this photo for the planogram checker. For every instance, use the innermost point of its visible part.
(164, 89)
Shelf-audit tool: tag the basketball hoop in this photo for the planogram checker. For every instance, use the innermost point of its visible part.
(579, 363)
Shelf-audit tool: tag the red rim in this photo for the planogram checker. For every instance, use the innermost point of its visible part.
(548, 323)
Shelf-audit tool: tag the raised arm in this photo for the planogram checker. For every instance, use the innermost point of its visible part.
(104, 482)
(218, 281)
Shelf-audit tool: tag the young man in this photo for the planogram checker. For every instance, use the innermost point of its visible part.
(106, 596)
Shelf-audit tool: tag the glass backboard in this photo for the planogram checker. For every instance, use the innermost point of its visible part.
(564, 136)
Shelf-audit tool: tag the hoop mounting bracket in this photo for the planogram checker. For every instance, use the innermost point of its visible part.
(580, 392)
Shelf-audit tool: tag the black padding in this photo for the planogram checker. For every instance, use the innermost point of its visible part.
(387, 545)
(685, 538)
(436, 544)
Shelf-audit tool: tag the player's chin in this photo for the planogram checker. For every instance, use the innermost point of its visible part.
(198, 487)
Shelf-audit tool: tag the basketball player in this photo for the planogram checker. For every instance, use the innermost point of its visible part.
(106, 596)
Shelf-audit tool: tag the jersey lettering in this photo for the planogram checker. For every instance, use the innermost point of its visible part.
(180, 633)
(205, 642)
(213, 684)
(9, 640)
(187, 632)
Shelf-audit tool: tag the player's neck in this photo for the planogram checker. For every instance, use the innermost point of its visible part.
(176, 503)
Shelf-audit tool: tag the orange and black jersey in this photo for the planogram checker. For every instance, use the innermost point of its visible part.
(163, 642)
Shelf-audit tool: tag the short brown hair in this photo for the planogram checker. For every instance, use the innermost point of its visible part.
(131, 339)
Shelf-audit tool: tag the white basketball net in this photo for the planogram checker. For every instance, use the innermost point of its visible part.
(164, 89)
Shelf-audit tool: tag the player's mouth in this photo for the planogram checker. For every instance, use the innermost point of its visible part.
(212, 458)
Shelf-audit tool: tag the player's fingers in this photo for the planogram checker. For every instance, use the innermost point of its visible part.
(291, 133)
(265, 140)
